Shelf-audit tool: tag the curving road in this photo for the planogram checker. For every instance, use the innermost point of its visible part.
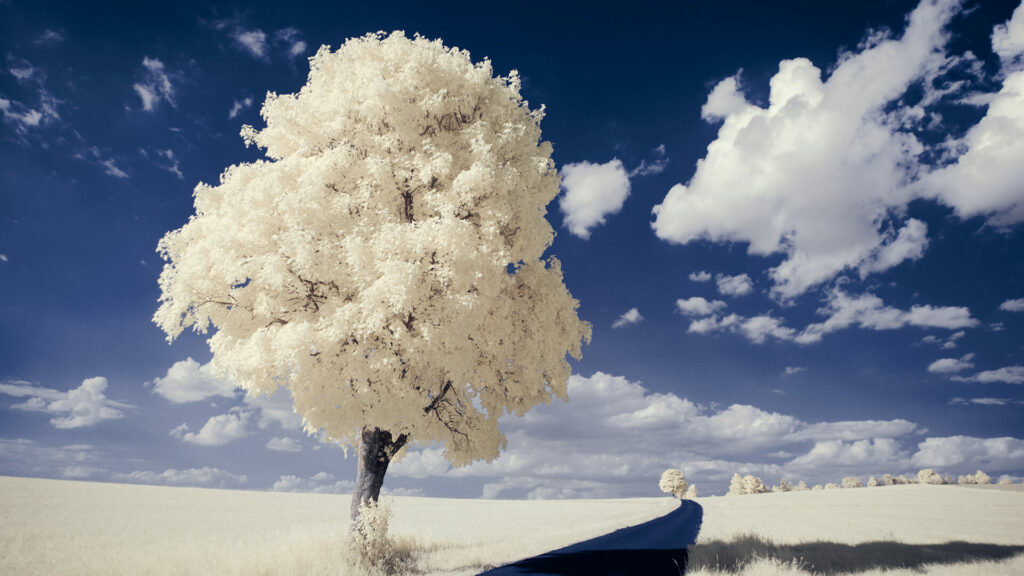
(649, 549)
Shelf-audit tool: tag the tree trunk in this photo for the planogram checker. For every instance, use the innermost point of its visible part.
(376, 449)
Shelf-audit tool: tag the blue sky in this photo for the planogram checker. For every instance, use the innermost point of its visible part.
(836, 288)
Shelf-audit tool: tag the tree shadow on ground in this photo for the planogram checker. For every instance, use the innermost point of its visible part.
(833, 558)
(655, 548)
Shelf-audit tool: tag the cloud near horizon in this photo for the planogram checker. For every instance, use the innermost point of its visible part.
(615, 435)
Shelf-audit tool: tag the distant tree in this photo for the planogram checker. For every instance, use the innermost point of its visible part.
(691, 493)
(802, 486)
(929, 476)
(736, 485)
(902, 479)
(386, 261)
(889, 480)
(1005, 479)
(783, 486)
(818, 487)
(982, 478)
(966, 479)
(852, 482)
(753, 485)
(832, 486)
(673, 482)
(872, 482)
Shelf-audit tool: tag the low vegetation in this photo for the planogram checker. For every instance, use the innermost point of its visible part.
(740, 485)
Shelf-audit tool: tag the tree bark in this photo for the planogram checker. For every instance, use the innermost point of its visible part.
(376, 449)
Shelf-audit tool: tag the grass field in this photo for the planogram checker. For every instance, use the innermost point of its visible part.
(54, 527)
(57, 527)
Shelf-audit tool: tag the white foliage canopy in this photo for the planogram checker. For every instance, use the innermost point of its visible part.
(385, 261)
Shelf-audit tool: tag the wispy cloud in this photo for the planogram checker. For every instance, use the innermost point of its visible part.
(206, 477)
(843, 311)
(659, 160)
(292, 39)
(238, 106)
(631, 316)
(154, 86)
(1006, 375)
(49, 38)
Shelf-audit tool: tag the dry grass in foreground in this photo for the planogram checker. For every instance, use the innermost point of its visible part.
(55, 527)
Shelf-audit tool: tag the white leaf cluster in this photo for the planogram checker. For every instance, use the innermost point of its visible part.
(385, 261)
(673, 482)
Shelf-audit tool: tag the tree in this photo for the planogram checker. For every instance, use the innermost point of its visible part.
(736, 485)
(673, 482)
(929, 476)
(386, 261)
(753, 485)
(851, 482)
(783, 486)
(691, 493)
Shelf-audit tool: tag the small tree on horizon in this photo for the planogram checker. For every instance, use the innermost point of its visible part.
(929, 476)
(736, 485)
(851, 482)
(385, 262)
(673, 482)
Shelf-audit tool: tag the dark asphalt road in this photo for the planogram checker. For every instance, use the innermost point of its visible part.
(651, 549)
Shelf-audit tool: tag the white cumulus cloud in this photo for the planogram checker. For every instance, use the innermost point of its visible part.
(951, 365)
(738, 285)
(284, 444)
(1015, 305)
(697, 306)
(188, 381)
(592, 193)
(969, 453)
(700, 276)
(824, 159)
(623, 434)
(218, 430)
(79, 407)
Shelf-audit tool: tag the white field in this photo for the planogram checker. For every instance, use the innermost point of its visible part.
(55, 527)
(805, 524)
